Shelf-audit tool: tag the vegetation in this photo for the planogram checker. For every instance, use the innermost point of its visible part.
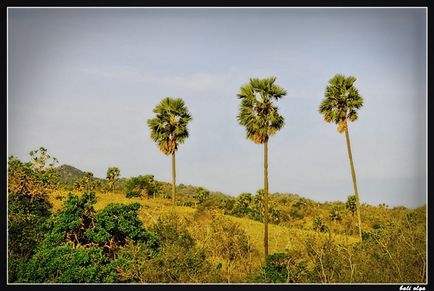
(107, 237)
(67, 226)
(112, 176)
(169, 129)
(341, 102)
(261, 118)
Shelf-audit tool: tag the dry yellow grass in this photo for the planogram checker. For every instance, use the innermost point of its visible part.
(281, 238)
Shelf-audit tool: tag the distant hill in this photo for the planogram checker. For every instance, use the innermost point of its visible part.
(69, 174)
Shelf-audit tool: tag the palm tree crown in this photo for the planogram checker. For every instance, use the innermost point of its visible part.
(169, 127)
(113, 173)
(341, 101)
(257, 112)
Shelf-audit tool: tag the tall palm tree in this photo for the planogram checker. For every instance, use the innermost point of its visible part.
(112, 176)
(341, 102)
(169, 129)
(261, 118)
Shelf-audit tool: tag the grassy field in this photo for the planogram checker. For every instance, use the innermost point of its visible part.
(281, 238)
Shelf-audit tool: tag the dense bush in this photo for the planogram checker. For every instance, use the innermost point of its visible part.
(81, 244)
(65, 264)
(318, 224)
(178, 259)
(28, 205)
(145, 185)
(394, 252)
(132, 194)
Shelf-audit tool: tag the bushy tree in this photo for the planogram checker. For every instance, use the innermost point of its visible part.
(142, 186)
(335, 213)
(82, 243)
(65, 264)
(318, 224)
(29, 209)
(112, 176)
(178, 259)
(201, 195)
(351, 204)
(87, 183)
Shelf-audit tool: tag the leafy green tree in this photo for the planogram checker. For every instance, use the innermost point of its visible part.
(261, 119)
(201, 195)
(177, 260)
(112, 176)
(85, 183)
(29, 208)
(66, 264)
(341, 102)
(318, 224)
(36, 178)
(335, 213)
(81, 244)
(351, 204)
(169, 129)
(242, 204)
(142, 185)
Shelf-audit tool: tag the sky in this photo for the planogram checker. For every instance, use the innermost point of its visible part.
(83, 81)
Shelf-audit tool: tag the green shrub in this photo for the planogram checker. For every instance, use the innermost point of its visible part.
(178, 259)
(318, 225)
(143, 184)
(132, 194)
(184, 203)
(66, 264)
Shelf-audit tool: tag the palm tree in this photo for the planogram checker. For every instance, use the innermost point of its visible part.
(260, 117)
(341, 102)
(169, 129)
(113, 174)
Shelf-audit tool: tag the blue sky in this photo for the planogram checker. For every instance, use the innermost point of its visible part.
(83, 82)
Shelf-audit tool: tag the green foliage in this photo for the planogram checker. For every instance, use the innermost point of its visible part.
(109, 228)
(252, 207)
(132, 194)
(276, 269)
(32, 178)
(81, 245)
(145, 185)
(116, 223)
(112, 176)
(178, 259)
(351, 204)
(87, 183)
(28, 205)
(335, 213)
(318, 224)
(184, 203)
(257, 112)
(169, 126)
(66, 264)
(341, 102)
(201, 196)
(245, 206)
(68, 175)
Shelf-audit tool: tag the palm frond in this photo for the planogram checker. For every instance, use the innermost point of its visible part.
(169, 126)
(341, 101)
(257, 112)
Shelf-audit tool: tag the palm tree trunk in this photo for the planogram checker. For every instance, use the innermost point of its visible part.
(353, 174)
(266, 199)
(173, 178)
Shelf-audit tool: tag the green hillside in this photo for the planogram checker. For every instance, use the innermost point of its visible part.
(136, 234)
